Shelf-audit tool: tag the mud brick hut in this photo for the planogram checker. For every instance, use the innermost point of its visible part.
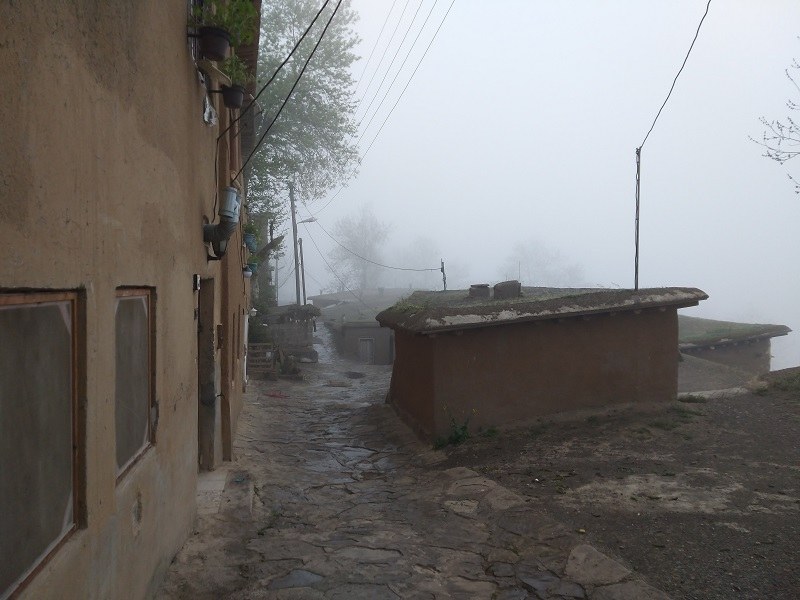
(497, 359)
(745, 346)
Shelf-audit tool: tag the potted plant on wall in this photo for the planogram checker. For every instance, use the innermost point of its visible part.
(237, 72)
(252, 264)
(221, 23)
(250, 236)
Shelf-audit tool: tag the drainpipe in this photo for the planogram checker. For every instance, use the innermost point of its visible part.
(219, 234)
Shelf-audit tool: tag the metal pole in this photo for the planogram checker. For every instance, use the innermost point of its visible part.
(302, 268)
(636, 260)
(444, 276)
(294, 245)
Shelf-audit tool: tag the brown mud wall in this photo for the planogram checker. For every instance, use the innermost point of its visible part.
(509, 374)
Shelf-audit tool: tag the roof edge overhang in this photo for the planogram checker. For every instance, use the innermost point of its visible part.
(734, 341)
(605, 310)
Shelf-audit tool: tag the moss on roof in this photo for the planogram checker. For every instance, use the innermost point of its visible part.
(429, 312)
(694, 331)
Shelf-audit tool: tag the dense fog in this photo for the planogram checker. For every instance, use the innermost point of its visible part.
(511, 153)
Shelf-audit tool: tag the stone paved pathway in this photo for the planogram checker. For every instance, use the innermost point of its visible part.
(331, 496)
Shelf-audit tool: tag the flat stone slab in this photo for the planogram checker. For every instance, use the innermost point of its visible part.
(630, 590)
(333, 497)
(296, 578)
(588, 566)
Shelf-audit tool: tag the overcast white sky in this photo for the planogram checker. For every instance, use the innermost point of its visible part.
(521, 126)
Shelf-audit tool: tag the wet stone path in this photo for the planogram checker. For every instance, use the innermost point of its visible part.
(331, 496)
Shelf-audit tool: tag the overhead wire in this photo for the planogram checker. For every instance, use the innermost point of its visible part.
(391, 62)
(330, 268)
(385, 50)
(396, 75)
(424, 54)
(372, 262)
(291, 91)
(639, 151)
(254, 102)
(361, 159)
(277, 70)
(674, 81)
(374, 46)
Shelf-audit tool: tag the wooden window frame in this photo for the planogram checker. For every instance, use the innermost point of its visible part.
(149, 293)
(78, 368)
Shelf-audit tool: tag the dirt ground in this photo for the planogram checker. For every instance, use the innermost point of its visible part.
(703, 499)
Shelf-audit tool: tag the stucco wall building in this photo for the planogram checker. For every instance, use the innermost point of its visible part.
(107, 175)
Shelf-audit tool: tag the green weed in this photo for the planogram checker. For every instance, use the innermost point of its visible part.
(693, 399)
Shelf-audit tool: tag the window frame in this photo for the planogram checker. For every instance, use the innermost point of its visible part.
(149, 294)
(77, 368)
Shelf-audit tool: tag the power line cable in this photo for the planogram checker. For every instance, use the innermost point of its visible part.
(372, 262)
(424, 54)
(288, 277)
(378, 39)
(385, 50)
(393, 107)
(291, 91)
(391, 62)
(276, 71)
(396, 75)
(674, 81)
(639, 151)
(330, 268)
(255, 103)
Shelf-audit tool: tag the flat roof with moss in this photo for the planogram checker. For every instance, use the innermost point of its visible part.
(431, 312)
(694, 332)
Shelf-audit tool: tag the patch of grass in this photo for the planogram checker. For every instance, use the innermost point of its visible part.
(787, 384)
(663, 424)
(684, 414)
(404, 306)
(459, 432)
(693, 399)
(490, 432)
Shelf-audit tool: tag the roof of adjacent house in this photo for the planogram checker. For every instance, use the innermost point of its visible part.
(432, 312)
(694, 332)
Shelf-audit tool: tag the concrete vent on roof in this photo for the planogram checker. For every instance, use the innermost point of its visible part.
(479, 290)
(507, 289)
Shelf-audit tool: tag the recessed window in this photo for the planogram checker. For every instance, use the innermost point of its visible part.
(38, 430)
(134, 375)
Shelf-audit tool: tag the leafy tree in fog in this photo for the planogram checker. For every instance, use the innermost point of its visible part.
(311, 143)
(364, 235)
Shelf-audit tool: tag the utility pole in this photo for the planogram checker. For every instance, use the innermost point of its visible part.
(302, 268)
(294, 244)
(636, 242)
(444, 276)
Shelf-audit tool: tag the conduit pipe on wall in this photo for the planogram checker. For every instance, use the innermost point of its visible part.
(218, 234)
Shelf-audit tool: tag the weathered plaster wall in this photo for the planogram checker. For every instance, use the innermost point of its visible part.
(383, 344)
(106, 174)
(500, 376)
(754, 357)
